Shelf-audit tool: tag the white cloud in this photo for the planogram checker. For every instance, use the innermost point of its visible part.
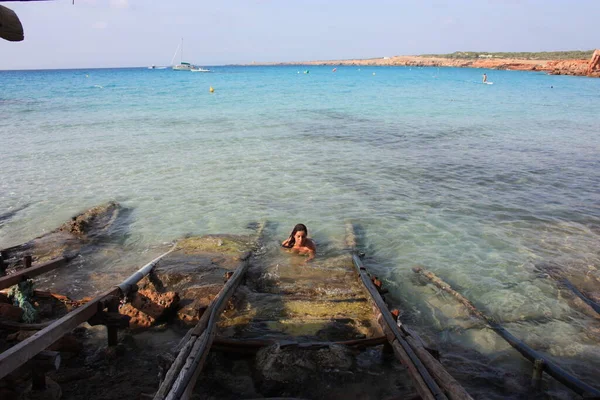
(119, 3)
(99, 25)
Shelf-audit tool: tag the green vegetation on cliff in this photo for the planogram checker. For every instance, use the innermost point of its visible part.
(544, 55)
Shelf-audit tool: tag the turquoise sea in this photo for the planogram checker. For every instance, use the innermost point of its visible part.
(478, 183)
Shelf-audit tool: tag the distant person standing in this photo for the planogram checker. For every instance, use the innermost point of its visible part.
(484, 78)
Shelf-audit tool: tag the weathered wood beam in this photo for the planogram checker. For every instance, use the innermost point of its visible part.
(13, 279)
(552, 369)
(194, 344)
(425, 385)
(595, 306)
(22, 352)
(186, 379)
(451, 387)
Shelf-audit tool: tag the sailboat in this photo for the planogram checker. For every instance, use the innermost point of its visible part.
(182, 66)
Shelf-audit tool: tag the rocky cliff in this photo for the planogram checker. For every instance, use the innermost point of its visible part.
(553, 67)
(594, 65)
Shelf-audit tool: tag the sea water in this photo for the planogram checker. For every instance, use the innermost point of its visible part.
(477, 183)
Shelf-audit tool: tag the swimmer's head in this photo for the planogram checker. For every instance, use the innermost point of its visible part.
(298, 235)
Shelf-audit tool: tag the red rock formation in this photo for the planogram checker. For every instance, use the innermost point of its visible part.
(148, 306)
(567, 67)
(594, 65)
(554, 67)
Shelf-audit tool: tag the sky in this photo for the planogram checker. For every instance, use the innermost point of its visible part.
(127, 33)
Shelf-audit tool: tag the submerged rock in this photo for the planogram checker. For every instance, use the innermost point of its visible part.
(68, 239)
(196, 271)
(93, 221)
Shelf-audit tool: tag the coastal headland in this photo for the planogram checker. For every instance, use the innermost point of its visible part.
(585, 63)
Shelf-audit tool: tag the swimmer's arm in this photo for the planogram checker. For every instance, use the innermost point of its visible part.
(286, 242)
(312, 249)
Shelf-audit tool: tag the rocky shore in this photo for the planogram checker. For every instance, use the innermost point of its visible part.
(578, 67)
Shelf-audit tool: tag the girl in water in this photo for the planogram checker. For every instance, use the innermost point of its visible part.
(299, 242)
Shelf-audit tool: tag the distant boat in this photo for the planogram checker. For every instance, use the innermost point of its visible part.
(182, 66)
(185, 66)
(155, 67)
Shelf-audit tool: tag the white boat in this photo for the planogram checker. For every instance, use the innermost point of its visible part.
(182, 66)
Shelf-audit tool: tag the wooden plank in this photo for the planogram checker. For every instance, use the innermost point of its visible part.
(13, 279)
(453, 389)
(424, 382)
(24, 351)
(595, 306)
(174, 370)
(552, 369)
(216, 306)
(19, 354)
(198, 357)
(187, 377)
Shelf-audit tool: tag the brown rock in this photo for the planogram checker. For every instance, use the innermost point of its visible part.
(148, 306)
(96, 218)
(10, 312)
(556, 67)
(594, 65)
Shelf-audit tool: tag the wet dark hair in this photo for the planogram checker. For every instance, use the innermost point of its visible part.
(297, 228)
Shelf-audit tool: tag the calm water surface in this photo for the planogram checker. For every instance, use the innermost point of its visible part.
(478, 183)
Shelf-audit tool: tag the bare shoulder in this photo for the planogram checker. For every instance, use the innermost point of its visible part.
(311, 244)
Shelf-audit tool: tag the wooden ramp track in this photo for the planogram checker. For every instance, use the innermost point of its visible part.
(430, 379)
(541, 363)
(24, 351)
